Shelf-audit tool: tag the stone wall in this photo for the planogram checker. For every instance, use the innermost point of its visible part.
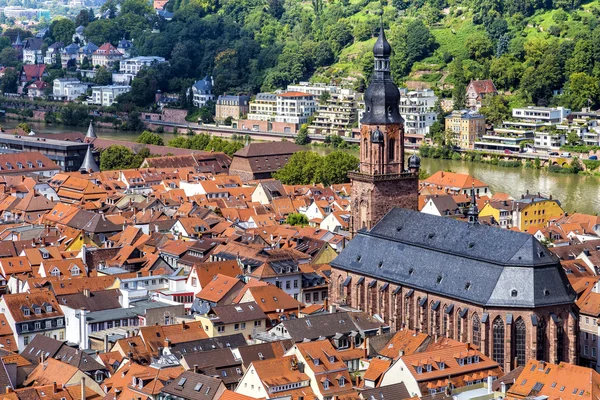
(406, 307)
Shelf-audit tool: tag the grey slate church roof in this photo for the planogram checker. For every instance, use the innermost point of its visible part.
(474, 263)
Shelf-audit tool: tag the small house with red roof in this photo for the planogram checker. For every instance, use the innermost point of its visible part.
(478, 90)
(106, 55)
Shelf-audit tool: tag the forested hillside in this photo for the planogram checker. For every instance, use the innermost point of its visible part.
(530, 48)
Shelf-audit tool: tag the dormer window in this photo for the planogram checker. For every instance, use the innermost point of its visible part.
(40, 164)
(461, 361)
(316, 361)
(48, 309)
(26, 312)
(326, 384)
(441, 365)
(29, 164)
(428, 366)
(476, 359)
(75, 271)
(20, 164)
(419, 369)
(37, 310)
(469, 360)
(342, 381)
(331, 359)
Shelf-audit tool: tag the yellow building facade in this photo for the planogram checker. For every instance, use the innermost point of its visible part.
(466, 127)
(537, 213)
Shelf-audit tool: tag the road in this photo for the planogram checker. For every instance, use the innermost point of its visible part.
(228, 132)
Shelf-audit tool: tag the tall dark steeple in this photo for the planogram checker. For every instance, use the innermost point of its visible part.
(382, 181)
(382, 97)
(473, 211)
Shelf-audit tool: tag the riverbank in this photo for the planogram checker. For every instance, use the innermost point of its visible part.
(577, 192)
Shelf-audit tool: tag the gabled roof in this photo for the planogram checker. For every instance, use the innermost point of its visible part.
(33, 71)
(483, 86)
(268, 149)
(439, 255)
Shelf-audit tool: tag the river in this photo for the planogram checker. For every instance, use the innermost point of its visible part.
(577, 193)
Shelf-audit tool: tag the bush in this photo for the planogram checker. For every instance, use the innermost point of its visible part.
(456, 157)
(591, 165)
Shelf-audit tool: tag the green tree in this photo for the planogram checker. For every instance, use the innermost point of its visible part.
(336, 166)
(74, 115)
(303, 168)
(573, 139)
(495, 109)
(148, 137)
(62, 30)
(83, 18)
(302, 137)
(296, 219)
(480, 48)
(103, 77)
(581, 91)
(9, 57)
(24, 126)
(116, 157)
(9, 82)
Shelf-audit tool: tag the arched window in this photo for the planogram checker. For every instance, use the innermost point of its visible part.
(434, 320)
(418, 321)
(407, 315)
(445, 321)
(476, 329)
(560, 340)
(542, 340)
(392, 150)
(340, 288)
(498, 348)
(459, 327)
(520, 341)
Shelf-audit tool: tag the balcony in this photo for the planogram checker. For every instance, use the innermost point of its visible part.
(360, 176)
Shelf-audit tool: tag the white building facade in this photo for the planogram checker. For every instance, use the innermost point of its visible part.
(106, 95)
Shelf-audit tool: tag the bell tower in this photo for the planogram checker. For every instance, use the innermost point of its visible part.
(382, 181)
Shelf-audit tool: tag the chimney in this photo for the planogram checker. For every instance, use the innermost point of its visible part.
(195, 368)
(9, 389)
(490, 379)
(86, 292)
(54, 387)
(83, 388)
(106, 343)
(167, 343)
(301, 367)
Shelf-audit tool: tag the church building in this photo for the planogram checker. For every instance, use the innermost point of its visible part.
(497, 289)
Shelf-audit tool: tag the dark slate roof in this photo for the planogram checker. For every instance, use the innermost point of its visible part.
(73, 48)
(204, 85)
(396, 391)
(89, 164)
(263, 351)
(219, 358)
(190, 385)
(268, 149)
(469, 262)
(203, 345)
(92, 223)
(233, 313)
(97, 301)
(52, 348)
(322, 325)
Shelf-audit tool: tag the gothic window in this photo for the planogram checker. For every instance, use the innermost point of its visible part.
(459, 330)
(418, 321)
(476, 330)
(434, 320)
(407, 315)
(392, 149)
(445, 322)
(340, 288)
(520, 341)
(541, 340)
(498, 348)
(560, 338)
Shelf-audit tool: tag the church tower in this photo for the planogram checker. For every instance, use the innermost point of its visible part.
(382, 181)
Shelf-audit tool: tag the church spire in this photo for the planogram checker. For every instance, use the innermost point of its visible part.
(89, 163)
(473, 212)
(91, 134)
(382, 97)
